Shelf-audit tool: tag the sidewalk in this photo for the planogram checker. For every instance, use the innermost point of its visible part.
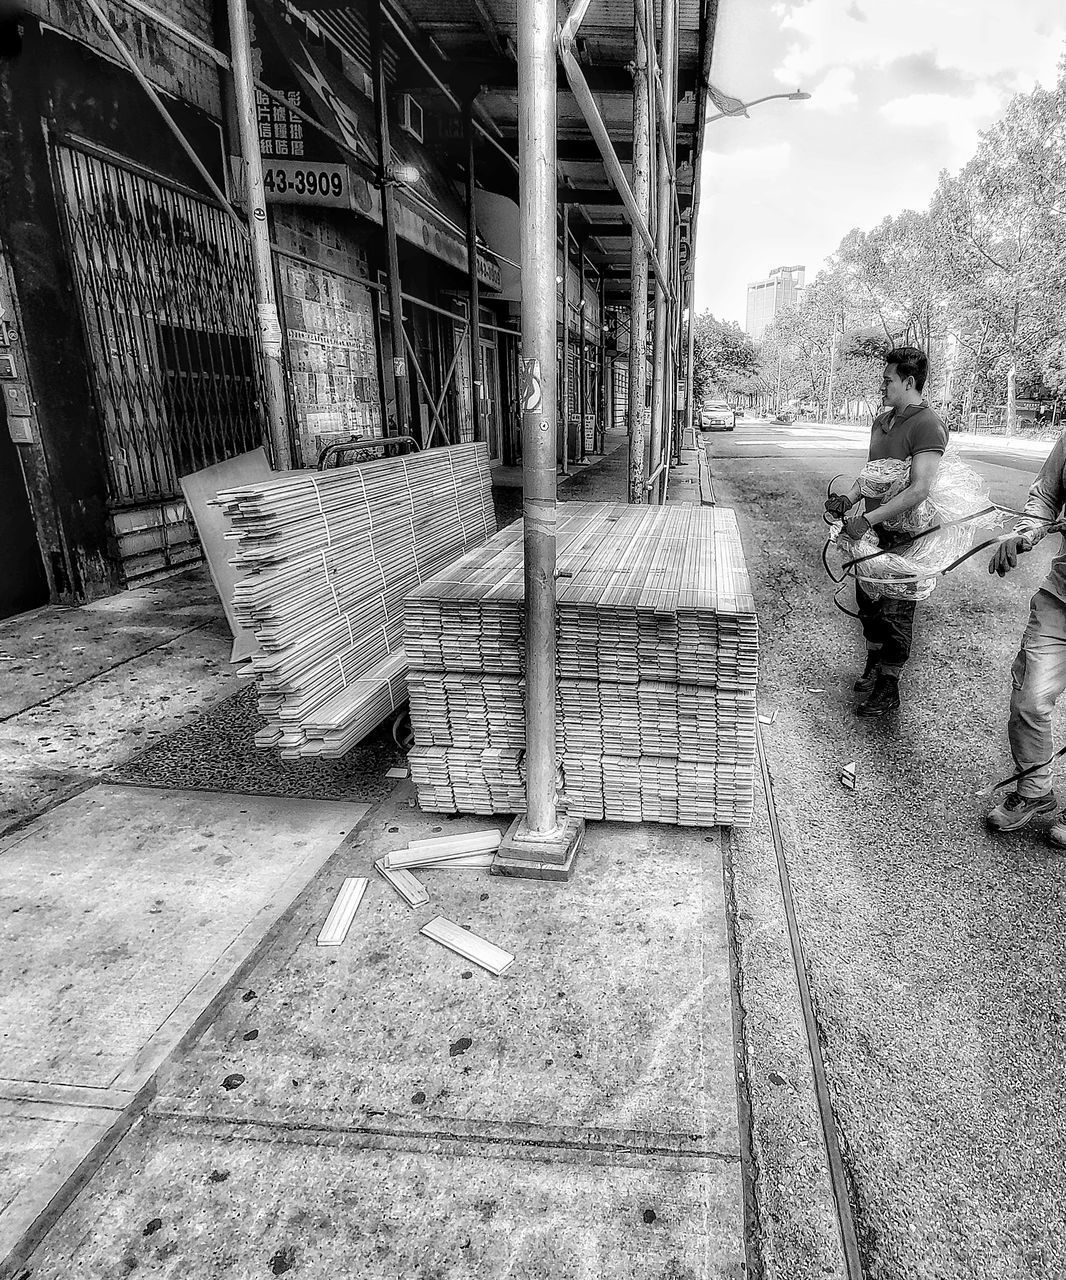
(192, 1087)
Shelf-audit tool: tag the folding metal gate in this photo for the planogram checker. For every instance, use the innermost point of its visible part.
(165, 287)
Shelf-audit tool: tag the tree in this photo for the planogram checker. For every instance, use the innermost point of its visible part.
(1001, 244)
(724, 358)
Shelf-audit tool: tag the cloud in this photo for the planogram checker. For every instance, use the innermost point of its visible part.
(960, 118)
(835, 91)
(922, 73)
(955, 36)
(750, 162)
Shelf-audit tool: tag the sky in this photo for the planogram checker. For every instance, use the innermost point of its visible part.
(900, 91)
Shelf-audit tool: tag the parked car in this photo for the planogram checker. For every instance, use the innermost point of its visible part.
(716, 415)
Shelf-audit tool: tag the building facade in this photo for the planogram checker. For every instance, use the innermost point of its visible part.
(782, 288)
(130, 345)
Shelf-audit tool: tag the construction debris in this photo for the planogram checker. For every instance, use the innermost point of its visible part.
(342, 913)
(413, 892)
(327, 559)
(469, 851)
(657, 647)
(770, 719)
(468, 945)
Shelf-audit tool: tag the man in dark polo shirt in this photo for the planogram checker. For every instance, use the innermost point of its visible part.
(908, 430)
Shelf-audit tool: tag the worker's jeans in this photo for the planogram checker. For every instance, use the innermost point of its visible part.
(888, 625)
(1038, 678)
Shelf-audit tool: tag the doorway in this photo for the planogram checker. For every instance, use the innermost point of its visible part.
(23, 584)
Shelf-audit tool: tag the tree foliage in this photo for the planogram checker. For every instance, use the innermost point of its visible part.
(724, 358)
(977, 279)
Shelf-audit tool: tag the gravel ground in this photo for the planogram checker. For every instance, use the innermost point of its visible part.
(935, 950)
(218, 753)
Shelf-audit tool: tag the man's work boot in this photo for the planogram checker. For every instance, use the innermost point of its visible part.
(884, 698)
(1056, 833)
(1017, 811)
(866, 682)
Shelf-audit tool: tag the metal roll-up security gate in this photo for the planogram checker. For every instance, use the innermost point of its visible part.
(165, 289)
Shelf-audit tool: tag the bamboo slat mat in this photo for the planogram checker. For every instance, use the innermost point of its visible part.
(328, 559)
(657, 653)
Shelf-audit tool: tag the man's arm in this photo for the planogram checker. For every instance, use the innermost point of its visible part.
(839, 504)
(1046, 497)
(1042, 507)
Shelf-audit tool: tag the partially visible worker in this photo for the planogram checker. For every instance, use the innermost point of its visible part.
(1038, 675)
(907, 430)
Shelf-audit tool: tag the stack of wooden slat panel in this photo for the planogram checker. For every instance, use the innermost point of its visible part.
(329, 557)
(657, 658)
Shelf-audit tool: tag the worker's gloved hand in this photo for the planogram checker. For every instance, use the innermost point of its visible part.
(856, 527)
(837, 505)
(1007, 554)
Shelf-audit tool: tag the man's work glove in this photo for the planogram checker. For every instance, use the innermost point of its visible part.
(856, 527)
(838, 505)
(1007, 554)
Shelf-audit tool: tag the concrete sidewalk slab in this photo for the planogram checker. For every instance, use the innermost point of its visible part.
(540, 1117)
(185, 1199)
(393, 1023)
(126, 912)
(57, 744)
(49, 650)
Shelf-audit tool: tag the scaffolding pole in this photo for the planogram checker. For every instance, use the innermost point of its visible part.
(583, 368)
(266, 303)
(401, 383)
(476, 374)
(537, 186)
(690, 294)
(661, 399)
(638, 305)
(565, 361)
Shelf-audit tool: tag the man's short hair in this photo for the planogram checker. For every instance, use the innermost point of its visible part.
(910, 362)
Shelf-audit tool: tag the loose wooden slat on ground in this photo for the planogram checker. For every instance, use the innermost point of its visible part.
(477, 950)
(342, 913)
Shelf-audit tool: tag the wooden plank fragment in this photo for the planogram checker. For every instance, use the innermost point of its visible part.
(413, 892)
(411, 858)
(465, 842)
(342, 913)
(468, 945)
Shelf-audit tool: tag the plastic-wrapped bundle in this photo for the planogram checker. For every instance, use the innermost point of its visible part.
(909, 573)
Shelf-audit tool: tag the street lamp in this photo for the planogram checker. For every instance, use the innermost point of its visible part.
(734, 106)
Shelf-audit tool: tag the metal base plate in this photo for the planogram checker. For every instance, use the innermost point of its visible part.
(533, 856)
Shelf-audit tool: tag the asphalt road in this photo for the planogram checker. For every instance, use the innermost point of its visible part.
(935, 950)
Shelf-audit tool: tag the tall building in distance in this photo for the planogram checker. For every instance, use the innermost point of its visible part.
(782, 288)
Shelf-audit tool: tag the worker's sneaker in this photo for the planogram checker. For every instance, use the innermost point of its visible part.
(866, 682)
(1017, 811)
(1056, 833)
(884, 698)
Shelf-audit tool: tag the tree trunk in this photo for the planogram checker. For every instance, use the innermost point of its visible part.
(1012, 402)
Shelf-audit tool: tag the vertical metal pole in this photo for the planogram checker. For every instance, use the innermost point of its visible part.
(661, 398)
(638, 319)
(602, 407)
(690, 361)
(388, 222)
(537, 199)
(266, 304)
(583, 368)
(476, 372)
(566, 340)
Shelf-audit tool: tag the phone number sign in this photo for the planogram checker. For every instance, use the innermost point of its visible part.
(296, 182)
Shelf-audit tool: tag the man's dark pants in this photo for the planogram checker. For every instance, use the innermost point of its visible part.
(888, 625)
